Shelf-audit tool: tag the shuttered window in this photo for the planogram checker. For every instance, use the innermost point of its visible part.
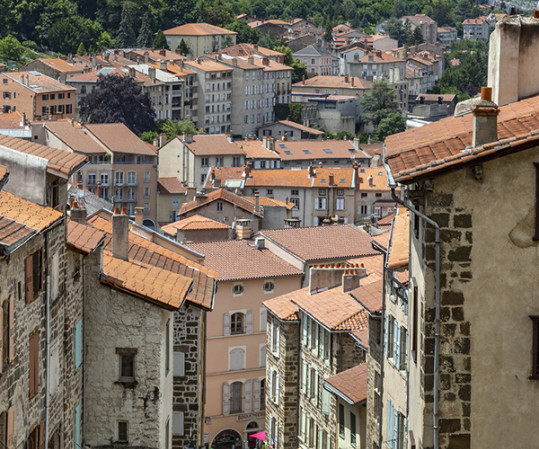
(235, 397)
(33, 275)
(535, 347)
(78, 344)
(34, 363)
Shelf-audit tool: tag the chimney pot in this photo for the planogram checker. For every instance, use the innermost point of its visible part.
(485, 119)
(139, 215)
(486, 93)
(78, 214)
(120, 234)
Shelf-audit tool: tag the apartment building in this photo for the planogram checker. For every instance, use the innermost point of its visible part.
(121, 168)
(189, 158)
(288, 130)
(477, 29)
(427, 26)
(214, 95)
(38, 96)
(56, 68)
(245, 50)
(378, 65)
(333, 85)
(196, 229)
(447, 35)
(375, 200)
(201, 38)
(236, 337)
(171, 195)
(318, 60)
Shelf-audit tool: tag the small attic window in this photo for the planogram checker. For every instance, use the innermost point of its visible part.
(361, 170)
(342, 180)
(282, 145)
(288, 152)
(306, 151)
(328, 151)
(322, 180)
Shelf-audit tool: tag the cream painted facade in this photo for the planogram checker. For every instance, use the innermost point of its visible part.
(239, 357)
(199, 45)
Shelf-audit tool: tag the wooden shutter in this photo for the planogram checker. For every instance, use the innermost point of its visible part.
(389, 426)
(78, 344)
(226, 399)
(34, 360)
(386, 333)
(256, 395)
(226, 324)
(11, 428)
(42, 435)
(42, 268)
(29, 279)
(247, 387)
(11, 324)
(396, 344)
(249, 322)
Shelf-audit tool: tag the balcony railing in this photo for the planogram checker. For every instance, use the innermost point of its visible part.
(91, 182)
(132, 182)
(131, 198)
(118, 182)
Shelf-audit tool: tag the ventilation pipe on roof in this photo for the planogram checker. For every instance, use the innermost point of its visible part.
(120, 234)
(485, 119)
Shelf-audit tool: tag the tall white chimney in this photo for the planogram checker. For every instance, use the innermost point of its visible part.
(120, 234)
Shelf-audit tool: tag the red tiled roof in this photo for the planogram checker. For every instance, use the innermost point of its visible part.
(145, 251)
(37, 82)
(264, 201)
(203, 145)
(161, 287)
(119, 138)
(400, 240)
(352, 383)
(3, 173)
(62, 65)
(254, 149)
(362, 337)
(25, 212)
(292, 150)
(382, 239)
(60, 161)
(171, 186)
(378, 175)
(477, 21)
(323, 242)
(301, 127)
(74, 137)
(387, 220)
(283, 307)
(83, 238)
(195, 222)
(335, 82)
(239, 259)
(11, 120)
(197, 29)
(220, 195)
(445, 144)
(12, 232)
(369, 293)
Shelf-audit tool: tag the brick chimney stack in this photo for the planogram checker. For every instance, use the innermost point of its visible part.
(120, 234)
(485, 119)
(78, 213)
(139, 215)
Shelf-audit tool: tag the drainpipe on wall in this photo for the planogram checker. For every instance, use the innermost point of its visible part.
(436, 227)
(48, 340)
(298, 418)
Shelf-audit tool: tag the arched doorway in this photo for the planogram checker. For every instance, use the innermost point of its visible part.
(227, 439)
(252, 428)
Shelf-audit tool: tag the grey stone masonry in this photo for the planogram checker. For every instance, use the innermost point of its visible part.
(373, 384)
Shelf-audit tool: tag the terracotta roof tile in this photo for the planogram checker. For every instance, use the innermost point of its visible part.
(195, 222)
(292, 150)
(442, 145)
(60, 161)
(374, 265)
(382, 239)
(62, 65)
(25, 212)
(11, 120)
(12, 232)
(83, 238)
(301, 127)
(247, 263)
(362, 337)
(369, 293)
(220, 195)
(400, 240)
(283, 307)
(161, 287)
(378, 175)
(3, 173)
(335, 82)
(171, 186)
(323, 242)
(197, 29)
(37, 82)
(387, 220)
(351, 383)
(270, 202)
(254, 149)
(142, 250)
(120, 139)
(208, 65)
(203, 145)
(74, 137)
(245, 49)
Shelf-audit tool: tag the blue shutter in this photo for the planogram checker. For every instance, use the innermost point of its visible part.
(78, 344)
(396, 344)
(395, 428)
(389, 437)
(386, 332)
(406, 352)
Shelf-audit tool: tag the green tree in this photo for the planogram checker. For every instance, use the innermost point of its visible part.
(145, 35)
(160, 41)
(10, 48)
(184, 48)
(217, 14)
(126, 36)
(295, 112)
(266, 41)
(379, 102)
(118, 99)
(300, 70)
(392, 124)
(81, 51)
(416, 37)
(396, 30)
(105, 41)
(246, 34)
(328, 35)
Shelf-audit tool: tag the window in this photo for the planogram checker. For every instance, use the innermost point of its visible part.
(415, 326)
(78, 344)
(219, 161)
(274, 386)
(204, 161)
(268, 286)
(119, 178)
(127, 364)
(33, 272)
(295, 201)
(69, 107)
(61, 96)
(237, 323)
(364, 210)
(146, 192)
(147, 176)
(353, 429)
(294, 192)
(146, 208)
(270, 191)
(364, 195)
(131, 178)
(203, 178)
(53, 96)
(122, 431)
(341, 421)
(238, 289)
(340, 192)
(320, 203)
(322, 192)
(45, 97)
(535, 347)
(104, 178)
(339, 203)
(34, 363)
(219, 206)
(235, 397)
(236, 161)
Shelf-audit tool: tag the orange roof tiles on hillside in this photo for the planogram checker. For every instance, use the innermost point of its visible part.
(197, 29)
(145, 251)
(247, 263)
(335, 82)
(379, 58)
(333, 309)
(208, 145)
(291, 150)
(119, 138)
(301, 127)
(436, 97)
(378, 181)
(387, 220)
(221, 195)
(37, 82)
(382, 239)
(269, 65)
(208, 65)
(351, 384)
(369, 293)
(400, 240)
(264, 201)
(74, 137)
(195, 222)
(28, 213)
(245, 49)
(83, 238)
(322, 242)
(477, 21)
(60, 161)
(12, 232)
(255, 149)
(11, 120)
(374, 265)
(155, 55)
(446, 144)
(161, 287)
(343, 177)
(283, 307)
(171, 186)
(62, 65)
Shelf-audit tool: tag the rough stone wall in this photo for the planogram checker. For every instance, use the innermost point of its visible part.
(286, 412)
(373, 360)
(188, 390)
(455, 361)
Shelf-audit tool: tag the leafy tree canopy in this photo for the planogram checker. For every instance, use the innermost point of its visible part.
(118, 99)
(246, 34)
(379, 102)
(11, 48)
(160, 41)
(393, 123)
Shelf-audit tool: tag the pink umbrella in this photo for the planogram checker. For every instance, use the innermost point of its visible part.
(259, 436)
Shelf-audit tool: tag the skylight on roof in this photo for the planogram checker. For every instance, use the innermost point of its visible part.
(361, 170)
(282, 145)
(323, 180)
(307, 151)
(342, 180)
(33, 73)
(288, 152)
(327, 150)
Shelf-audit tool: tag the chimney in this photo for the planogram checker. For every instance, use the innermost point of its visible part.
(370, 180)
(162, 139)
(247, 170)
(120, 234)
(485, 119)
(270, 143)
(151, 73)
(132, 72)
(379, 53)
(331, 180)
(352, 81)
(181, 64)
(163, 65)
(234, 62)
(303, 80)
(99, 190)
(265, 61)
(243, 228)
(257, 202)
(324, 277)
(146, 57)
(285, 136)
(139, 215)
(351, 279)
(356, 143)
(255, 46)
(79, 181)
(371, 57)
(346, 79)
(163, 52)
(78, 213)
(311, 171)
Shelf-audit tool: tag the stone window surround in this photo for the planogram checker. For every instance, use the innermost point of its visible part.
(268, 286)
(238, 289)
(127, 381)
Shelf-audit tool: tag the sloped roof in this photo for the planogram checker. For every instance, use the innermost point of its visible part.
(25, 212)
(171, 185)
(255, 149)
(239, 259)
(220, 195)
(446, 144)
(37, 82)
(351, 384)
(208, 65)
(322, 242)
(11, 120)
(13, 232)
(335, 82)
(83, 238)
(245, 49)
(400, 240)
(60, 161)
(378, 175)
(197, 29)
(264, 201)
(145, 251)
(62, 65)
(209, 145)
(314, 50)
(3, 173)
(419, 19)
(370, 293)
(193, 223)
(74, 137)
(118, 138)
(161, 287)
(296, 126)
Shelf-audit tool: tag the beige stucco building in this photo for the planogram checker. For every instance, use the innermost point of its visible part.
(201, 38)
